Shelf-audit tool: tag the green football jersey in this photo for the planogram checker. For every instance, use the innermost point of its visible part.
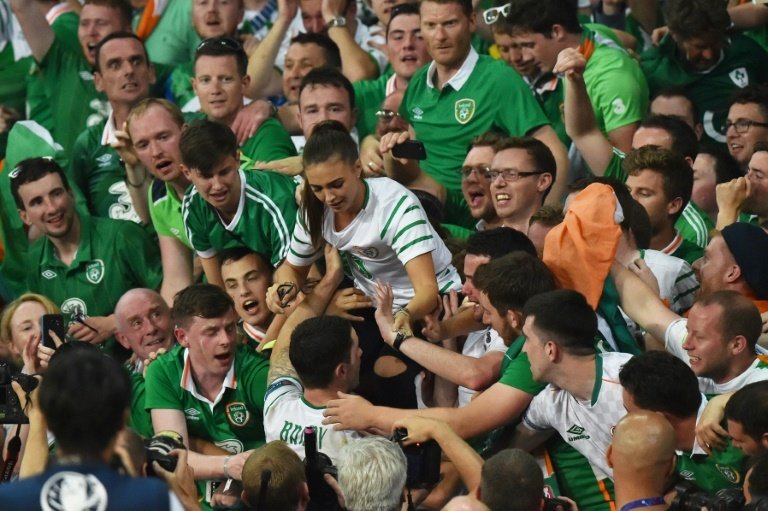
(180, 83)
(234, 421)
(100, 173)
(369, 95)
(165, 211)
(576, 478)
(516, 369)
(139, 419)
(721, 469)
(742, 64)
(68, 83)
(113, 256)
(12, 86)
(174, 39)
(264, 221)
(485, 94)
(615, 83)
(270, 142)
(694, 224)
(38, 103)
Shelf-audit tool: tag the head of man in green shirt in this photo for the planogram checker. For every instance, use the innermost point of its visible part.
(306, 52)
(406, 50)
(206, 324)
(447, 27)
(221, 78)
(211, 162)
(662, 182)
(326, 94)
(504, 285)
(747, 416)
(155, 126)
(122, 71)
(747, 123)
(247, 276)
(698, 28)
(99, 18)
(143, 323)
(543, 29)
(45, 200)
(216, 18)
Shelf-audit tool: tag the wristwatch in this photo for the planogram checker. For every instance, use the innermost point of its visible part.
(337, 21)
(399, 338)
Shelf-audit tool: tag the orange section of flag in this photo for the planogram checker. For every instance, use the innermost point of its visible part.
(148, 21)
(580, 251)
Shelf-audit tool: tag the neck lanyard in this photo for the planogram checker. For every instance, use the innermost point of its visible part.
(653, 501)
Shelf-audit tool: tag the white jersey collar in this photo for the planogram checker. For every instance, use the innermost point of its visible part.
(188, 383)
(108, 135)
(461, 76)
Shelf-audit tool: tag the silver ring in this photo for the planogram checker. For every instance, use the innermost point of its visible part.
(370, 164)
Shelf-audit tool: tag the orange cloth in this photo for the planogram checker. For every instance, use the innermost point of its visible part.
(580, 251)
(150, 17)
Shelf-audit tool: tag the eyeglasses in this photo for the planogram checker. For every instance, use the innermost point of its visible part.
(743, 125)
(220, 43)
(491, 15)
(510, 175)
(387, 115)
(468, 170)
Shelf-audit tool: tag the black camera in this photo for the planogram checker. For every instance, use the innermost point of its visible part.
(10, 408)
(159, 447)
(316, 465)
(690, 498)
(423, 461)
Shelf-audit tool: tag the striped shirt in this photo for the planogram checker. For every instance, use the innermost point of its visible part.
(390, 230)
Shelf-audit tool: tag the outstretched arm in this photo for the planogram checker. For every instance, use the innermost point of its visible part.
(37, 31)
(265, 79)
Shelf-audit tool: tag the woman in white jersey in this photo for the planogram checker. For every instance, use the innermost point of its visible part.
(377, 223)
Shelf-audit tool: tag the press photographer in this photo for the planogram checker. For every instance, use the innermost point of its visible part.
(83, 400)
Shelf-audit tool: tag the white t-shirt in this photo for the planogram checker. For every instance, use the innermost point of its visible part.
(287, 413)
(586, 425)
(675, 336)
(389, 231)
(479, 343)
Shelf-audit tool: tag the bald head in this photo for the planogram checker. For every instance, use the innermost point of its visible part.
(465, 503)
(143, 322)
(643, 441)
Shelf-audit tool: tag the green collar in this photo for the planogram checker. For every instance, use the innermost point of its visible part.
(49, 257)
(598, 378)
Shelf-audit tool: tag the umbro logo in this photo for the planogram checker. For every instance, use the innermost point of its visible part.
(192, 414)
(578, 433)
(417, 113)
(49, 274)
(104, 160)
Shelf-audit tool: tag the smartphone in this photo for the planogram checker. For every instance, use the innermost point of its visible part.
(48, 323)
(411, 150)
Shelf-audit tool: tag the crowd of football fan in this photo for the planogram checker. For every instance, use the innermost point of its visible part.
(379, 255)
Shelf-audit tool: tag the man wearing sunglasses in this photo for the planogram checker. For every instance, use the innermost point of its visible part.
(616, 85)
(220, 83)
(699, 54)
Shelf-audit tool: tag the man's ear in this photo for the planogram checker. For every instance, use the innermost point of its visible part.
(675, 205)
(185, 170)
(515, 319)
(181, 336)
(122, 340)
(97, 81)
(738, 344)
(23, 216)
(608, 455)
(545, 181)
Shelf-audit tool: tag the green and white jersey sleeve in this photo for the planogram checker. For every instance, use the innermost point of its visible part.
(389, 231)
(263, 222)
(677, 281)
(586, 425)
(287, 413)
(165, 211)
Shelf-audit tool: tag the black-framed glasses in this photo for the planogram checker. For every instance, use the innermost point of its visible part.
(743, 125)
(387, 115)
(220, 43)
(467, 171)
(491, 15)
(511, 175)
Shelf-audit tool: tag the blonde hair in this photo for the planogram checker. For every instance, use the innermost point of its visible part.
(144, 105)
(10, 309)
